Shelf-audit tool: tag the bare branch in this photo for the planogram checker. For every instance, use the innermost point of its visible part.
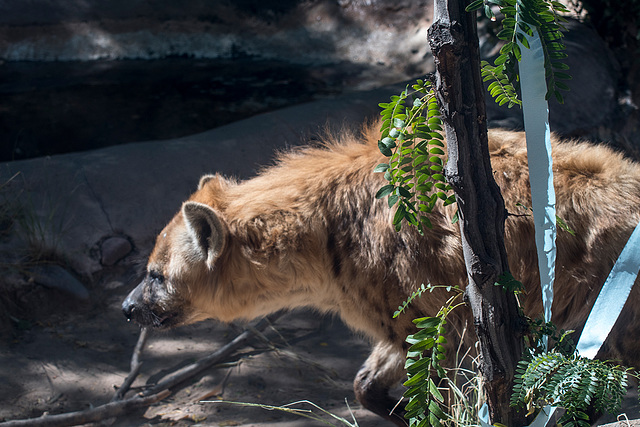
(135, 366)
(152, 395)
(109, 410)
(206, 362)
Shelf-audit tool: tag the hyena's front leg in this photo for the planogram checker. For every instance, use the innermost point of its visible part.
(383, 369)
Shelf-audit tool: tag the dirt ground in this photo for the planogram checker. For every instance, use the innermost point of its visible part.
(73, 359)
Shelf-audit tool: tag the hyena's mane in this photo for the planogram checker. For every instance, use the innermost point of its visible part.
(291, 203)
(311, 224)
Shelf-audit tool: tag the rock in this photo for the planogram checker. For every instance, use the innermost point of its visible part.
(113, 249)
(56, 277)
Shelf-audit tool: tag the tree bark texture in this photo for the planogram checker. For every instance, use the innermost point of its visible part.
(454, 43)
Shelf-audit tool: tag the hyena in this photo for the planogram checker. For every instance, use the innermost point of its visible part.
(309, 232)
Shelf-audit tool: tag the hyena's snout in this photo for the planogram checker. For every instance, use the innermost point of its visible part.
(149, 306)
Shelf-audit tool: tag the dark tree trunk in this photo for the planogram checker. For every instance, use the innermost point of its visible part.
(499, 326)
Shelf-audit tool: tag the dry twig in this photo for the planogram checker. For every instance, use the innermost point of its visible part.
(206, 362)
(109, 410)
(154, 394)
(135, 366)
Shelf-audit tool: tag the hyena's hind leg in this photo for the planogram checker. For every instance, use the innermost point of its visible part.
(383, 369)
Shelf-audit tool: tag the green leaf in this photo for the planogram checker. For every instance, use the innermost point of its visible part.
(384, 191)
(523, 40)
(399, 123)
(401, 212)
(451, 200)
(456, 218)
(516, 52)
(437, 160)
(422, 334)
(404, 192)
(475, 5)
(435, 393)
(441, 186)
(426, 322)
(564, 226)
(422, 345)
(420, 159)
(382, 167)
(384, 149)
(489, 13)
(417, 365)
(416, 379)
(426, 221)
(393, 199)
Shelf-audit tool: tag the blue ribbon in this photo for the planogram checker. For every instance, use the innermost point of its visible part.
(543, 197)
(612, 297)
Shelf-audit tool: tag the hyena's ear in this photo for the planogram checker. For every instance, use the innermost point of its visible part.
(207, 229)
(218, 180)
(206, 178)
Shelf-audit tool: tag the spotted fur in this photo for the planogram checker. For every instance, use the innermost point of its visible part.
(309, 232)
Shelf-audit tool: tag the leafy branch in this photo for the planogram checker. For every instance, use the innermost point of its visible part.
(418, 293)
(523, 17)
(425, 407)
(412, 140)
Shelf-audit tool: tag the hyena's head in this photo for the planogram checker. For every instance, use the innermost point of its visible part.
(184, 262)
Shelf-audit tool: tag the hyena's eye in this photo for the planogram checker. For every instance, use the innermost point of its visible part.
(158, 277)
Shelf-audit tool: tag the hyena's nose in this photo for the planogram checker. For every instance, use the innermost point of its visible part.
(128, 307)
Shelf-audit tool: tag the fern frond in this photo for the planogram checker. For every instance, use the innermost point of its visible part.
(572, 382)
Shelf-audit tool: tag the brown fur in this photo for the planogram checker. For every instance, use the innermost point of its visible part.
(309, 232)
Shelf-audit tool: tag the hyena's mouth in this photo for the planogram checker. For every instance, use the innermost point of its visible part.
(166, 320)
(146, 317)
